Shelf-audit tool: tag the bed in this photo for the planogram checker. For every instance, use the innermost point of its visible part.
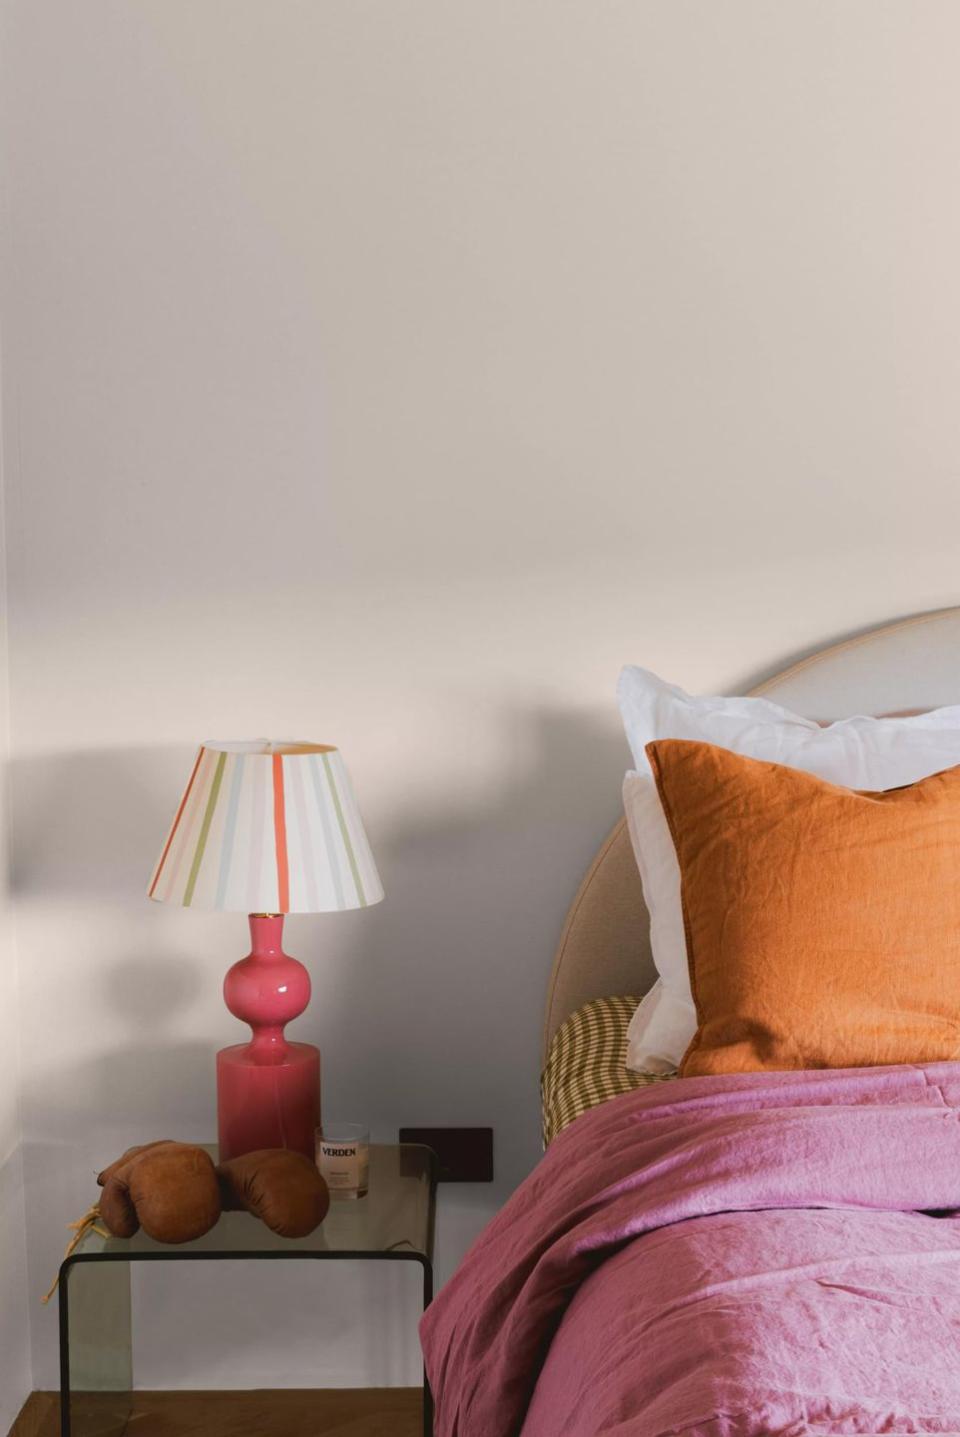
(728, 1255)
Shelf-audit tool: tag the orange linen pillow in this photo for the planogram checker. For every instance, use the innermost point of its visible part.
(822, 924)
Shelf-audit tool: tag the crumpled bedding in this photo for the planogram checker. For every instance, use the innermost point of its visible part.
(765, 1253)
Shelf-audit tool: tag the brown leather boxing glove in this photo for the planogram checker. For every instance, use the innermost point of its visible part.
(280, 1187)
(169, 1189)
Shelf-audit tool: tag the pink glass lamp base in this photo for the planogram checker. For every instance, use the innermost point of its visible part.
(268, 1090)
(275, 1107)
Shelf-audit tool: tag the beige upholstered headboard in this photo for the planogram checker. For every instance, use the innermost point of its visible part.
(604, 948)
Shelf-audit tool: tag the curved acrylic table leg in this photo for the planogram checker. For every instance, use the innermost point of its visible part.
(96, 1346)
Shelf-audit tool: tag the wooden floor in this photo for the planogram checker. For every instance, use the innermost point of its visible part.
(331, 1412)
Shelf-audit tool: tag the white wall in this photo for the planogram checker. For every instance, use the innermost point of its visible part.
(15, 1367)
(15, 1363)
(390, 374)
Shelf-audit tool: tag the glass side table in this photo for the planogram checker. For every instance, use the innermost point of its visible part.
(393, 1222)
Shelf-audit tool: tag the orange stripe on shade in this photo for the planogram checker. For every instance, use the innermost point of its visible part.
(176, 824)
(280, 832)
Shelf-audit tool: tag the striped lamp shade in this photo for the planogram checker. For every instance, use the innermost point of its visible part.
(267, 828)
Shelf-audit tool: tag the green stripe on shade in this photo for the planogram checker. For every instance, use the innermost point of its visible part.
(352, 857)
(204, 831)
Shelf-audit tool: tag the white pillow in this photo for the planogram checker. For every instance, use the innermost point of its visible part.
(858, 752)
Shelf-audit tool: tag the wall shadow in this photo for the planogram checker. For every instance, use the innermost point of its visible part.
(427, 1007)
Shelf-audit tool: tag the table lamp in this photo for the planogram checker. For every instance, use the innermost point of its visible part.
(267, 829)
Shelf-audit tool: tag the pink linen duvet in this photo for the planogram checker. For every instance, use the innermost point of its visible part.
(771, 1253)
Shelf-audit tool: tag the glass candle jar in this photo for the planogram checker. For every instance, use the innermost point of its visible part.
(343, 1158)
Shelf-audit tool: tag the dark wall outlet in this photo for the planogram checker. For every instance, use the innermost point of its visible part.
(465, 1155)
